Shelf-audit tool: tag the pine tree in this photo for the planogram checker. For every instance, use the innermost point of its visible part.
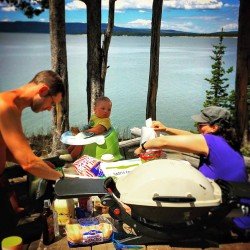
(218, 93)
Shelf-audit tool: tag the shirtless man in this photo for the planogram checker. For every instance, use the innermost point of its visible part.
(43, 92)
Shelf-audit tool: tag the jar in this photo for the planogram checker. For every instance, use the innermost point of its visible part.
(12, 243)
(107, 158)
(65, 209)
(151, 154)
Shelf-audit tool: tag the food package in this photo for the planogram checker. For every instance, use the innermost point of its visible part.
(89, 231)
(119, 168)
(88, 166)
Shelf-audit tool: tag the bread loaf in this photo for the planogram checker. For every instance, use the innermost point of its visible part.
(106, 230)
(78, 234)
(74, 233)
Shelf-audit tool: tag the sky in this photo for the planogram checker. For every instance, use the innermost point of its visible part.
(202, 16)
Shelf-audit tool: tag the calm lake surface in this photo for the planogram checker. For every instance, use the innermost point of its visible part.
(184, 63)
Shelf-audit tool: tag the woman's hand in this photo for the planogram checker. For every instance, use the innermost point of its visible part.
(158, 126)
(138, 151)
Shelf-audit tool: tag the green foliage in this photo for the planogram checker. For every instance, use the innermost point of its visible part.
(218, 93)
(29, 8)
(246, 150)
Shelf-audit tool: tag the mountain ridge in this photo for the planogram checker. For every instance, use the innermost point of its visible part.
(81, 28)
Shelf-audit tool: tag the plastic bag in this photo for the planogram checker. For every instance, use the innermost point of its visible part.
(89, 231)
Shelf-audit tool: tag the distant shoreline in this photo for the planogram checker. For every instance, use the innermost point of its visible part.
(81, 29)
(134, 35)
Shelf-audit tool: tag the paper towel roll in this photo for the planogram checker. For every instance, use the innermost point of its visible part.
(147, 134)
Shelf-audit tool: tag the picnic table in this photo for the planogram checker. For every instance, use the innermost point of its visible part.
(61, 243)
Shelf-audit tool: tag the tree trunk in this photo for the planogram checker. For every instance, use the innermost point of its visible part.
(154, 59)
(94, 52)
(106, 43)
(242, 87)
(59, 65)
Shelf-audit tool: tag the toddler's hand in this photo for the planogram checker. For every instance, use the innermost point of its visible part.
(74, 130)
(88, 134)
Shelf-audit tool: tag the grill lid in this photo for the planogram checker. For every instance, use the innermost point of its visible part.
(168, 183)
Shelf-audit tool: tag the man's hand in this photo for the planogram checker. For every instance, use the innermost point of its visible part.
(50, 164)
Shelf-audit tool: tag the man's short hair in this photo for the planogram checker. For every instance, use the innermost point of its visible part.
(52, 80)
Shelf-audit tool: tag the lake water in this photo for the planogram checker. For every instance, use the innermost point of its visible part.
(184, 63)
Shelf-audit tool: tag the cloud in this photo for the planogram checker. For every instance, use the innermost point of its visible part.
(175, 4)
(119, 11)
(139, 23)
(231, 5)
(143, 5)
(204, 18)
(6, 20)
(75, 5)
(181, 26)
(230, 26)
(193, 4)
(130, 4)
(8, 8)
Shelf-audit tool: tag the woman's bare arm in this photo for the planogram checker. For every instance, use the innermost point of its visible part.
(158, 126)
(185, 143)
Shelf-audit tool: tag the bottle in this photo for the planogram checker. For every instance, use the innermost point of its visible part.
(55, 218)
(65, 210)
(48, 223)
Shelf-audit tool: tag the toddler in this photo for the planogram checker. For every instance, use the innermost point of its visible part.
(99, 123)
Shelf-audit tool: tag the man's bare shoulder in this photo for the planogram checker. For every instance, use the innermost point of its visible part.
(7, 102)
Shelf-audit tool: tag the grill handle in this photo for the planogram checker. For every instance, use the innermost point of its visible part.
(174, 199)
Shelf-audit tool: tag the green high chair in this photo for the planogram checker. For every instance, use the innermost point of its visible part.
(111, 146)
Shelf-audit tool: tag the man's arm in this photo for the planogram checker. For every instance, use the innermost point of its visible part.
(17, 144)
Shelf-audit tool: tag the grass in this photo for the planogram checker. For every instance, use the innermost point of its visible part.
(40, 143)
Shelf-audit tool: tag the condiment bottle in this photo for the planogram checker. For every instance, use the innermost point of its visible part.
(65, 209)
(48, 223)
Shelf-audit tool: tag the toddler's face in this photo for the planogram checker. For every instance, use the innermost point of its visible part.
(103, 109)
